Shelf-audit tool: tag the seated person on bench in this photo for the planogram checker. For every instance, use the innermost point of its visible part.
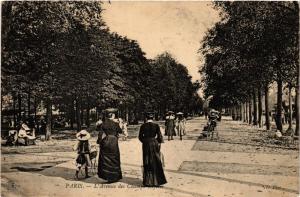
(25, 136)
(12, 138)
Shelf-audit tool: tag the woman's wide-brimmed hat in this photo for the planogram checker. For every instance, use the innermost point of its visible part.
(170, 112)
(179, 113)
(111, 110)
(83, 135)
(25, 127)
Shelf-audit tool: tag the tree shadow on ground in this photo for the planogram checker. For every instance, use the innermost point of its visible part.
(69, 174)
(222, 141)
(226, 179)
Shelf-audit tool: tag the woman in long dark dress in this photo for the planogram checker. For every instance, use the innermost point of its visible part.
(170, 125)
(109, 166)
(150, 136)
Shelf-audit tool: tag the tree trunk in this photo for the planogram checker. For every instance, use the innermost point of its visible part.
(7, 8)
(28, 103)
(49, 118)
(237, 112)
(20, 107)
(2, 118)
(259, 107)
(290, 108)
(247, 113)
(250, 111)
(297, 100)
(35, 110)
(88, 113)
(78, 117)
(15, 112)
(267, 107)
(234, 113)
(279, 105)
(127, 114)
(242, 112)
(72, 115)
(254, 109)
(81, 112)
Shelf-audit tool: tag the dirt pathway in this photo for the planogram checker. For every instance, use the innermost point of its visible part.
(236, 165)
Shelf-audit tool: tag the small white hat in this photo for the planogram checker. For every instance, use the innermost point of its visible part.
(83, 135)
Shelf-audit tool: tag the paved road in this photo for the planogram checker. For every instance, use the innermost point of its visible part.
(239, 164)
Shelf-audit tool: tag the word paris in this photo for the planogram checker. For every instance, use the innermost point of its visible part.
(99, 186)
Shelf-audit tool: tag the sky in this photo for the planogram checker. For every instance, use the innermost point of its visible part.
(159, 26)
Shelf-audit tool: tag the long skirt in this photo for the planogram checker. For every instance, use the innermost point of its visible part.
(181, 129)
(109, 166)
(170, 131)
(153, 173)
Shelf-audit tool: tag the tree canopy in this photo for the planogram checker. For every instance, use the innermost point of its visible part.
(62, 53)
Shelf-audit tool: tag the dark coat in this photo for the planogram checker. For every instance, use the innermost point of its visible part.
(153, 173)
(109, 165)
(170, 127)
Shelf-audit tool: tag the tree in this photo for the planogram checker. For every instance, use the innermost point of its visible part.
(32, 44)
(242, 49)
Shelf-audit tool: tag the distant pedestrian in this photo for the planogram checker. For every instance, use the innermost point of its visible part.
(42, 126)
(32, 124)
(123, 126)
(12, 138)
(180, 124)
(170, 125)
(151, 138)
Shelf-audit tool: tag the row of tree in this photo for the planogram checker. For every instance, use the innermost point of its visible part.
(254, 45)
(63, 55)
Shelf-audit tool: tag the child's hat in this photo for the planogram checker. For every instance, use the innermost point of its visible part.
(83, 135)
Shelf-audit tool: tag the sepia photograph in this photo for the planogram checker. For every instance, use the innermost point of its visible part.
(154, 98)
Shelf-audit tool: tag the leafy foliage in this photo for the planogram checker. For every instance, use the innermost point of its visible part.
(62, 53)
(254, 44)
